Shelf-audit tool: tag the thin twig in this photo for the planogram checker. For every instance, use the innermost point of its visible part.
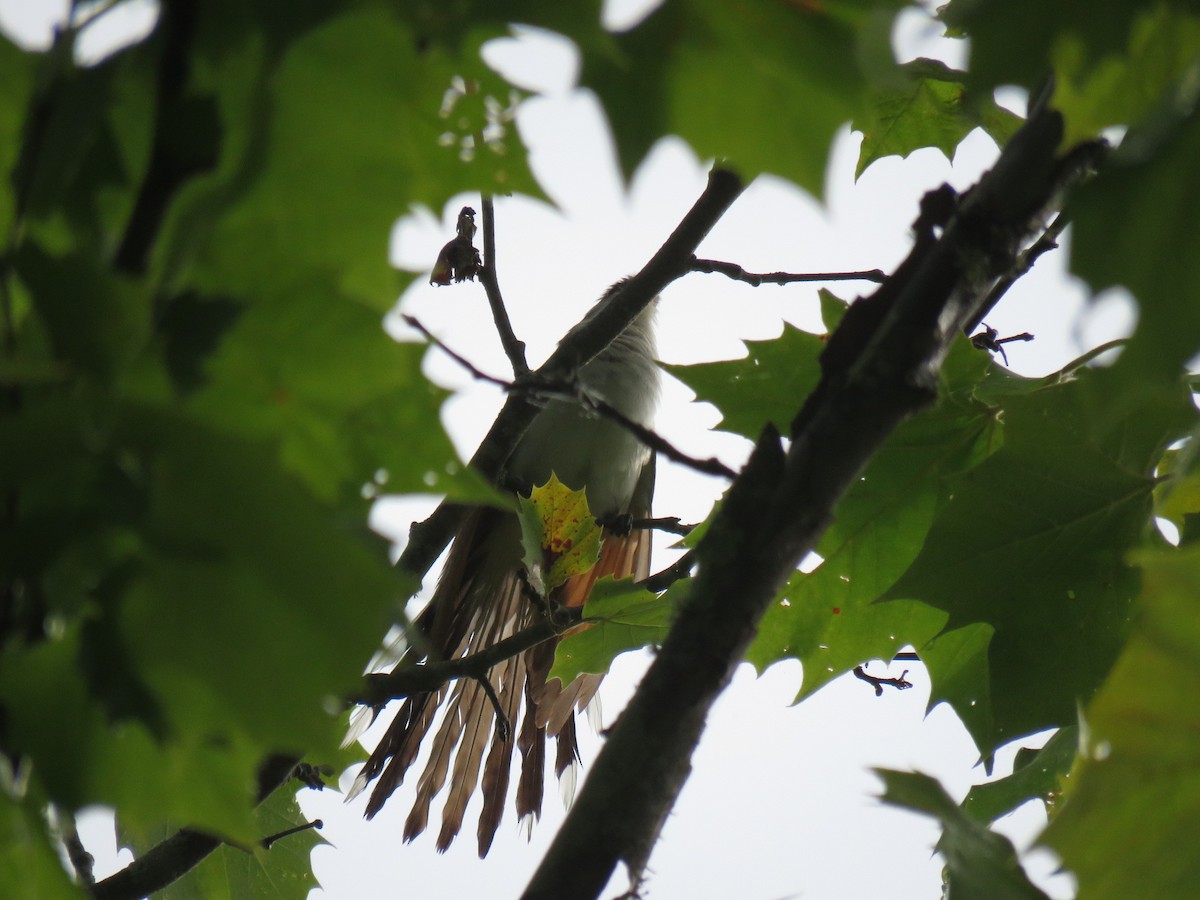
(655, 441)
(900, 684)
(380, 687)
(547, 390)
(503, 728)
(476, 373)
(677, 571)
(1047, 241)
(737, 273)
(625, 524)
(514, 349)
(271, 839)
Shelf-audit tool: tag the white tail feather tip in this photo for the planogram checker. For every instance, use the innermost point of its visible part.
(360, 784)
(360, 720)
(566, 784)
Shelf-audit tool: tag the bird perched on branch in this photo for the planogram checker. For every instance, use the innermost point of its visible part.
(480, 599)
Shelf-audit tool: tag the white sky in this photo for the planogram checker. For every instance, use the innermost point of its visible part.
(781, 802)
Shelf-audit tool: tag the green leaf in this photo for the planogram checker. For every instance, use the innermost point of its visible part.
(980, 864)
(1136, 798)
(1032, 543)
(828, 619)
(17, 72)
(30, 868)
(1131, 228)
(796, 83)
(96, 321)
(275, 586)
(317, 375)
(996, 27)
(283, 872)
(1147, 78)
(1037, 774)
(80, 758)
(1177, 495)
(618, 617)
(769, 385)
(957, 662)
(342, 133)
(931, 106)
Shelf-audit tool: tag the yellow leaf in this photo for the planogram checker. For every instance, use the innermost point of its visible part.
(557, 522)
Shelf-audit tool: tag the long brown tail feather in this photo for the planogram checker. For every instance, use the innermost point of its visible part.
(498, 768)
(465, 615)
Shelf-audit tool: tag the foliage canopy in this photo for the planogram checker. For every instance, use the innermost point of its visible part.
(198, 404)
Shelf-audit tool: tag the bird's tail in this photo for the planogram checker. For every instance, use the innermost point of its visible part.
(480, 601)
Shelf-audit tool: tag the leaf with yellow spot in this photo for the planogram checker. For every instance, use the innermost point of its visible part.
(559, 534)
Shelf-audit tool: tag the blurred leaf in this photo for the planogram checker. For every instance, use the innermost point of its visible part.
(260, 582)
(1136, 798)
(95, 320)
(619, 617)
(996, 27)
(342, 135)
(82, 759)
(30, 867)
(1132, 228)
(980, 864)
(930, 107)
(1149, 77)
(1177, 495)
(796, 83)
(17, 73)
(1037, 774)
(317, 374)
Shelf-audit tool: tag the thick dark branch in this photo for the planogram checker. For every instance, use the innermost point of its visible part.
(878, 368)
(737, 273)
(169, 861)
(513, 348)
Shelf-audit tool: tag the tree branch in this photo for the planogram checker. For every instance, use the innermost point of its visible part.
(514, 349)
(879, 367)
(737, 273)
(380, 687)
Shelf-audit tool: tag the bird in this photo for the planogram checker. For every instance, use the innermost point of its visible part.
(480, 599)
